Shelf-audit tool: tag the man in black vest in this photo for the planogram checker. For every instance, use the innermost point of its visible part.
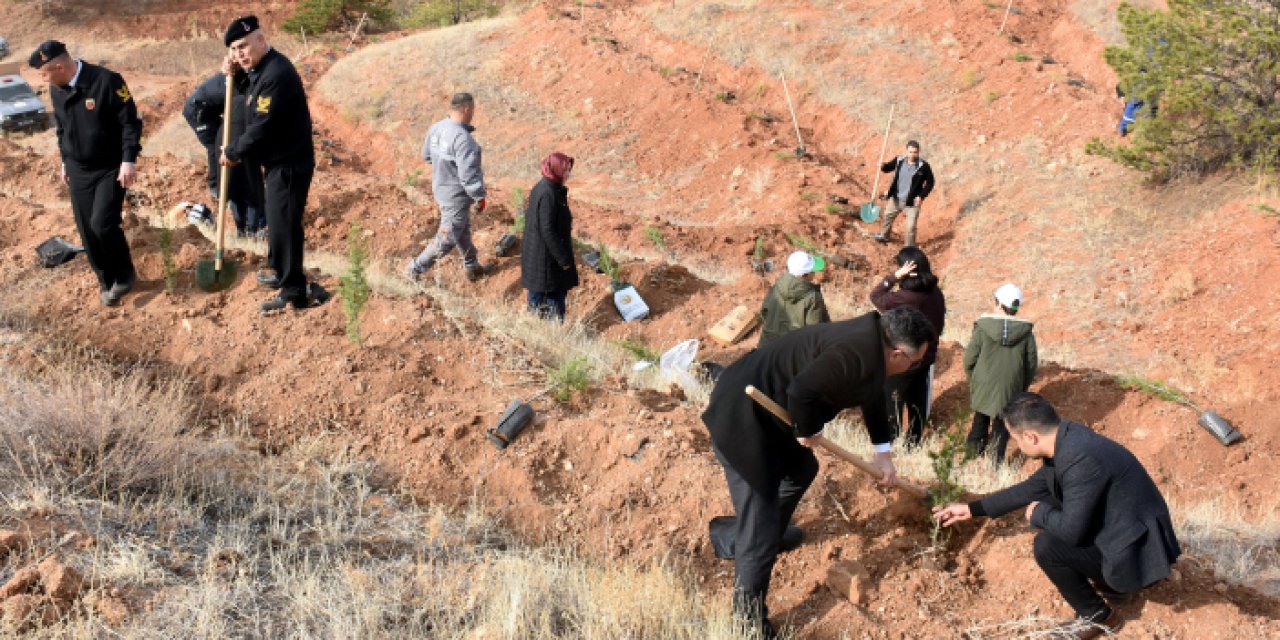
(277, 137)
(1105, 531)
(99, 137)
(814, 372)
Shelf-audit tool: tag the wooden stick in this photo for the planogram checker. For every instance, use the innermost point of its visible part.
(359, 25)
(796, 123)
(223, 175)
(1007, 9)
(698, 83)
(835, 449)
(883, 147)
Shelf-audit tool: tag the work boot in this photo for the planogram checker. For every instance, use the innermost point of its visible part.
(479, 271)
(411, 270)
(268, 280)
(275, 304)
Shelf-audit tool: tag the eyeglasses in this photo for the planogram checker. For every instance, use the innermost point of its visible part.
(916, 357)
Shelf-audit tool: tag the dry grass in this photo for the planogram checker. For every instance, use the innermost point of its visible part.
(1235, 548)
(309, 543)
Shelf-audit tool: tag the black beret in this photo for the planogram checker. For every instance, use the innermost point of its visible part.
(240, 28)
(48, 50)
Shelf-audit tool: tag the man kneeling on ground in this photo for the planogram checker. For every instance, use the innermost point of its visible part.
(1105, 531)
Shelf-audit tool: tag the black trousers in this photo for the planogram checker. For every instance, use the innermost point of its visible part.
(286, 198)
(1070, 569)
(910, 390)
(999, 435)
(96, 201)
(762, 518)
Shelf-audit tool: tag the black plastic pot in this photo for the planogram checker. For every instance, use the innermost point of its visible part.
(1220, 428)
(517, 416)
(505, 244)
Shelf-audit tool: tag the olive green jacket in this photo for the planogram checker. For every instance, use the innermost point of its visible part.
(1000, 361)
(793, 302)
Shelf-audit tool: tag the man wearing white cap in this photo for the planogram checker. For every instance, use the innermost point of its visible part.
(1000, 362)
(796, 298)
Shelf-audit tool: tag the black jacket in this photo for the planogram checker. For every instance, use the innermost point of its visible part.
(547, 247)
(97, 120)
(921, 182)
(1094, 492)
(203, 111)
(278, 127)
(814, 372)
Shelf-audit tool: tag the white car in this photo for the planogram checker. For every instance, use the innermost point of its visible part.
(20, 108)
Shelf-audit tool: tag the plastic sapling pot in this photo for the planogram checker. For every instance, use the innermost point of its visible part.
(505, 244)
(517, 416)
(592, 260)
(1220, 428)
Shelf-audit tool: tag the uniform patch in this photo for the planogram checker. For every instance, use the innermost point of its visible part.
(90, 103)
(264, 104)
(124, 94)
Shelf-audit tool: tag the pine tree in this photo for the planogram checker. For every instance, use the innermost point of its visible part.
(1212, 67)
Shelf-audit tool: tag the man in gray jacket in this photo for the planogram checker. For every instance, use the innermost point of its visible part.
(1105, 530)
(458, 184)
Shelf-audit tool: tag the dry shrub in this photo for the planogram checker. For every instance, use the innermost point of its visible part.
(93, 432)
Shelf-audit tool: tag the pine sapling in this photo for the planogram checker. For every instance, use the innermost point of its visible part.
(953, 454)
(353, 286)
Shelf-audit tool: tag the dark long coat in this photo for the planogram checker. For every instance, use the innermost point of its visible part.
(547, 247)
(814, 372)
(1095, 492)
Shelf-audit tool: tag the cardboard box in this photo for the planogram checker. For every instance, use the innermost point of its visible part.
(734, 326)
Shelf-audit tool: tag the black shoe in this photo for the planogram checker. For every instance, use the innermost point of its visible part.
(122, 287)
(269, 280)
(479, 272)
(316, 294)
(1112, 596)
(107, 298)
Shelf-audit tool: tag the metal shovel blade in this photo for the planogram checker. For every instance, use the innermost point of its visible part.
(869, 212)
(210, 278)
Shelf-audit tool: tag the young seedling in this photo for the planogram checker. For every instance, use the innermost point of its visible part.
(640, 349)
(654, 235)
(573, 376)
(804, 243)
(167, 263)
(353, 286)
(953, 454)
(517, 205)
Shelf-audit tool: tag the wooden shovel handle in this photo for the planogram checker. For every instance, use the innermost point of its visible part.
(884, 146)
(833, 448)
(223, 172)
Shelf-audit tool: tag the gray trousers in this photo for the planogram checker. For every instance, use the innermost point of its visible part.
(891, 211)
(455, 231)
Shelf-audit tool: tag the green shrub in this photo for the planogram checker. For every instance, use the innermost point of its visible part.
(443, 13)
(1213, 69)
(608, 265)
(318, 16)
(571, 377)
(353, 286)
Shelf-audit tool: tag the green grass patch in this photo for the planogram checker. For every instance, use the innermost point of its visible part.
(1021, 56)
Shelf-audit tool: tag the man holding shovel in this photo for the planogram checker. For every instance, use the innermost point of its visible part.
(99, 138)
(277, 138)
(813, 372)
(911, 184)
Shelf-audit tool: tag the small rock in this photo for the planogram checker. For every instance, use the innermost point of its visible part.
(851, 580)
(113, 610)
(21, 582)
(1221, 587)
(60, 581)
(982, 139)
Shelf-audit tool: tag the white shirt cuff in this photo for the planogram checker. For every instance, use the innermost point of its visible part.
(883, 448)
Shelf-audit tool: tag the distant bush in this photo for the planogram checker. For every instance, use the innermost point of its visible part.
(1212, 67)
(318, 16)
(443, 13)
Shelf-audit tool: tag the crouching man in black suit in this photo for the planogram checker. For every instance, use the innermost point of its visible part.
(1104, 527)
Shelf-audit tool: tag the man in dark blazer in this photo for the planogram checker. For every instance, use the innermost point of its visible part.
(1104, 527)
(814, 372)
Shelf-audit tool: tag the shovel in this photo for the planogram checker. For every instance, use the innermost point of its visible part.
(870, 211)
(835, 449)
(217, 275)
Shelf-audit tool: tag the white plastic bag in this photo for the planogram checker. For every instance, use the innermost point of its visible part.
(677, 360)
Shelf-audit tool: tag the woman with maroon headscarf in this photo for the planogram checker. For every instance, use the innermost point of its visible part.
(547, 268)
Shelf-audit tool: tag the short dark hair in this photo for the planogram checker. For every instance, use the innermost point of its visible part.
(906, 327)
(1030, 411)
(912, 144)
(462, 100)
(924, 280)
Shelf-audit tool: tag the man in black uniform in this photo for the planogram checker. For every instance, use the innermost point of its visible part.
(277, 137)
(203, 111)
(99, 137)
(813, 372)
